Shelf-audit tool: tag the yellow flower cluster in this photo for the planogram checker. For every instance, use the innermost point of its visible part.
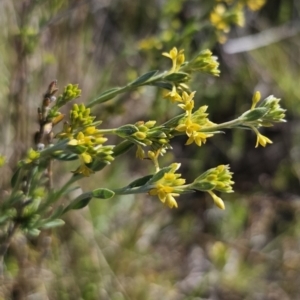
(85, 140)
(192, 123)
(177, 58)
(223, 16)
(218, 179)
(166, 188)
(271, 113)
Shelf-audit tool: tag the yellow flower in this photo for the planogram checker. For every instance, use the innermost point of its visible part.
(165, 195)
(217, 18)
(31, 156)
(164, 187)
(217, 200)
(188, 102)
(255, 4)
(262, 140)
(255, 99)
(173, 95)
(177, 58)
(188, 126)
(86, 157)
(84, 170)
(198, 137)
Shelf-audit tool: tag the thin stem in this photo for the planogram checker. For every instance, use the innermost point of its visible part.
(224, 125)
(116, 91)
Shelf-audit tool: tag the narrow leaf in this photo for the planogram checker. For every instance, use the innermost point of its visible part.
(160, 174)
(202, 186)
(103, 193)
(140, 181)
(142, 79)
(255, 114)
(15, 178)
(53, 223)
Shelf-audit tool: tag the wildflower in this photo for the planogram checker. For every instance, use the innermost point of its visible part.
(177, 58)
(261, 139)
(32, 155)
(217, 18)
(167, 187)
(193, 132)
(165, 195)
(255, 99)
(217, 200)
(204, 62)
(173, 95)
(198, 137)
(275, 112)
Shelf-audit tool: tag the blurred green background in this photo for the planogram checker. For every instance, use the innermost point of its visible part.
(132, 247)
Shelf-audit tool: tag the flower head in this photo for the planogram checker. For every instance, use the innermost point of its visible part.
(177, 58)
(167, 187)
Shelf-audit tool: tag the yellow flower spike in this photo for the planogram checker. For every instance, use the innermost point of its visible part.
(255, 99)
(217, 200)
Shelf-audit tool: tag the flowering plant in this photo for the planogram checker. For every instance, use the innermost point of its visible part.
(33, 204)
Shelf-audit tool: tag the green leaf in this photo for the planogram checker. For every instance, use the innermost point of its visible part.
(144, 78)
(57, 212)
(163, 85)
(33, 232)
(3, 219)
(52, 223)
(77, 149)
(126, 130)
(103, 193)
(177, 77)
(160, 174)
(255, 114)
(80, 202)
(97, 165)
(65, 156)
(202, 186)
(122, 147)
(140, 181)
(107, 95)
(15, 178)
